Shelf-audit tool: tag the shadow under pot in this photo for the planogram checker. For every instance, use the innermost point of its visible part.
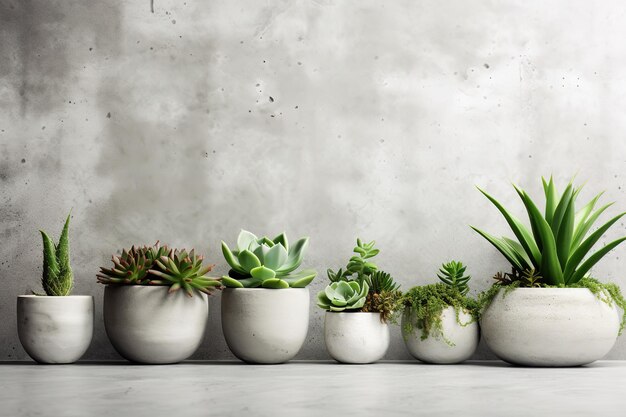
(455, 342)
(355, 337)
(266, 326)
(55, 329)
(150, 325)
(550, 326)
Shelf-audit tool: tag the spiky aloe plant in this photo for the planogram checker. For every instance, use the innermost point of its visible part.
(452, 274)
(160, 265)
(57, 278)
(556, 246)
(264, 262)
(182, 269)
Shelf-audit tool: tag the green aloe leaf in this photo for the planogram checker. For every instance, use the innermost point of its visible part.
(502, 247)
(584, 227)
(551, 201)
(276, 257)
(518, 251)
(248, 260)
(523, 235)
(559, 212)
(565, 233)
(231, 260)
(592, 260)
(578, 255)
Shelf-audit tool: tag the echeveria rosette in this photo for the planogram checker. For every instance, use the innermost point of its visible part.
(267, 263)
(343, 295)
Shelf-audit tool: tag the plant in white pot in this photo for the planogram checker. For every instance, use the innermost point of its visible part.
(439, 321)
(359, 303)
(548, 311)
(265, 305)
(56, 327)
(156, 303)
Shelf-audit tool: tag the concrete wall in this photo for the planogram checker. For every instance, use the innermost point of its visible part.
(333, 119)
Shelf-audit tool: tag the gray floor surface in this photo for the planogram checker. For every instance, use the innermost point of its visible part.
(311, 389)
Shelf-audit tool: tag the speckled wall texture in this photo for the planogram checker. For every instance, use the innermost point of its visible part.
(333, 119)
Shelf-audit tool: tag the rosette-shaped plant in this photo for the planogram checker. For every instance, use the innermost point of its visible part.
(343, 295)
(264, 262)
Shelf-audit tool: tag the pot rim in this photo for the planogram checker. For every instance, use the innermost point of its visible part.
(526, 289)
(352, 312)
(41, 297)
(265, 289)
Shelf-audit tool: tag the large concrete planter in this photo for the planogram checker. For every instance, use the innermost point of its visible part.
(149, 325)
(55, 329)
(456, 344)
(549, 326)
(355, 337)
(264, 325)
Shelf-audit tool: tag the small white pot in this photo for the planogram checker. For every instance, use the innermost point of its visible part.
(549, 326)
(149, 325)
(55, 329)
(355, 337)
(456, 343)
(263, 325)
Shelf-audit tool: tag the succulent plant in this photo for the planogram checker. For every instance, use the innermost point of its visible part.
(556, 246)
(358, 264)
(159, 265)
(451, 274)
(381, 281)
(57, 278)
(343, 295)
(264, 262)
(180, 269)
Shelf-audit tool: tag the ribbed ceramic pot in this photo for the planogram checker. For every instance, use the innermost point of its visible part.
(55, 329)
(263, 325)
(355, 337)
(457, 343)
(146, 324)
(549, 326)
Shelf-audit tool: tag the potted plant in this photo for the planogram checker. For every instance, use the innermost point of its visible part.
(156, 303)
(549, 311)
(359, 303)
(55, 327)
(439, 321)
(265, 305)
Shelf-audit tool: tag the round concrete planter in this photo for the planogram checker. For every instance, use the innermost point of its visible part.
(150, 325)
(549, 326)
(55, 329)
(355, 337)
(458, 343)
(263, 325)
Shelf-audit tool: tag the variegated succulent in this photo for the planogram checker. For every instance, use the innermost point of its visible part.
(264, 262)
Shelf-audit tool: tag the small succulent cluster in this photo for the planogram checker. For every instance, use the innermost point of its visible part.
(57, 278)
(361, 286)
(160, 265)
(267, 263)
(528, 278)
(452, 274)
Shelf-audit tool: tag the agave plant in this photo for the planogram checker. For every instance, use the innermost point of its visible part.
(343, 295)
(264, 262)
(57, 278)
(557, 246)
(159, 265)
(452, 274)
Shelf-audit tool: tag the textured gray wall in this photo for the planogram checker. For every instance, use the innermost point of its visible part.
(384, 116)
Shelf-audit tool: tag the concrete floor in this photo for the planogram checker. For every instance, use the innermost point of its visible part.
(310, 388)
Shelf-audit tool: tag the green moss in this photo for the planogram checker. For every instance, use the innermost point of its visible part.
(424, 305)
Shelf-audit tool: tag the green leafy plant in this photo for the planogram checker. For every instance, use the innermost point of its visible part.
(160, 265)
(342, 296)
(382, 295)
(267, 263)
(57, 278)
(423, 305)
(557, 246)
(452, 274)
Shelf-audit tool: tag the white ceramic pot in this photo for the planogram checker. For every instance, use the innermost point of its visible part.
(55, 329)
(456, 343)
(549, 326)
(263, 325)
(355, 337)
(149, 325)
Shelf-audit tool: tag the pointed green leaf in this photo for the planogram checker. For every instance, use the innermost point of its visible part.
(232, 261)
(551, 202)
(296, 254)
(593, 259)
(248, 260)
(583, 228)
(565, 233)
(502, 248)
(282, 238)
(559, 213)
